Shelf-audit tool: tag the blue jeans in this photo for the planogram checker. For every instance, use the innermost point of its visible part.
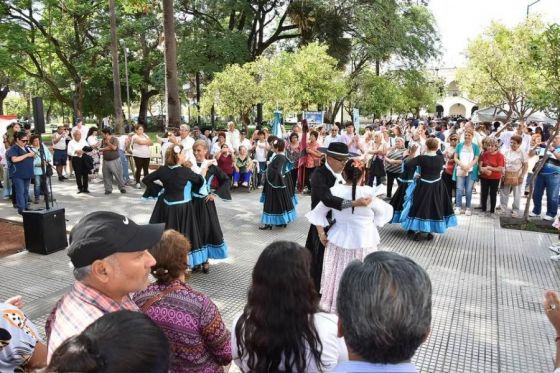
(22, 189)
(124, 163)
(262, 170)
(38, 187)
(245, 177)
(550, 182)
(464, 187)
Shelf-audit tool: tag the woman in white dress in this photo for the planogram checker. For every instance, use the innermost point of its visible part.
(353, 236)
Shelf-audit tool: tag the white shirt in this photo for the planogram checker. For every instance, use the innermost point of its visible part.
(260, 152)
(83, 130)
(334, 348)
(74, 145)
(233, 138)
(328, 139)
(92, 140)
(138, 150)
(61, 141)
(357, 229)
(122, 142)
(3, 154)
(515, 159)
(246, 143)
(188, 143)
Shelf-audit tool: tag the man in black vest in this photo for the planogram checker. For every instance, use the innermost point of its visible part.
(323, 178)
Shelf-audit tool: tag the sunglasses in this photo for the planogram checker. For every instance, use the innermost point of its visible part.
(24, 140)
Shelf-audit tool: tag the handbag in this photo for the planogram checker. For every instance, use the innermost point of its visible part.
(159, 296)
(511, 178)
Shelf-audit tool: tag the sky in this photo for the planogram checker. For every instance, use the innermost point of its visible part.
(461, 20)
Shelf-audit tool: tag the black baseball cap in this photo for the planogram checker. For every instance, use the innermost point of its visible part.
(103, 233)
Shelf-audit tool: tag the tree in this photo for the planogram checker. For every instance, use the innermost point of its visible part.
(376, 95)
(499, 72)
(173, 103)
(117, 99)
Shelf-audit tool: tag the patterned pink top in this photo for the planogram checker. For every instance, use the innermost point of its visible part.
(199, 339)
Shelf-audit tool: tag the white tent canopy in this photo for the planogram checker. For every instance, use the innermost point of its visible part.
(493, 113)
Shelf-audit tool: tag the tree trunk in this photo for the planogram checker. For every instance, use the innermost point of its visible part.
(173, 104)
(377, 67)
(117, 99)
(145, 96)
(197, 81)
(3, 94)
(538, 168)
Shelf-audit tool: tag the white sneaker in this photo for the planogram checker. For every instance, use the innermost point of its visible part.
(532, 214)
(245, 184)
(468, 212)
(555, 249)
(235, 185)
(549, 218)
(138, 186)
(514, 214)
(457, 211)
(259, 187)
(555, 258)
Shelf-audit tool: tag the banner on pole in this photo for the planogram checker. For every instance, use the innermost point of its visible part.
(314, 117)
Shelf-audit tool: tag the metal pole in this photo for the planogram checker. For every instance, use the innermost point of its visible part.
(530, 5)
(126, 76)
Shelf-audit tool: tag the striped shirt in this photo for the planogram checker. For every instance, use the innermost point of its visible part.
(77, 310)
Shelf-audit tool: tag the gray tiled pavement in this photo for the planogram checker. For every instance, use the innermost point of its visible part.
(488, 282)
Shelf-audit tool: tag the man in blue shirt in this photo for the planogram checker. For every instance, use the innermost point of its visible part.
(384, 307)
(548, 179)
(20, 165)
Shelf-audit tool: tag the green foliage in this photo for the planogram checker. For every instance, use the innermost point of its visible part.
(15, 105)
(375, 95)
(499, 71)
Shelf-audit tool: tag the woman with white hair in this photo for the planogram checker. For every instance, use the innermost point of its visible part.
(393, 163)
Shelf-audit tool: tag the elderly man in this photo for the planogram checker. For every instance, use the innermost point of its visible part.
(112, 166)
(334, 136)
(110, 256)
(322, 180)
(186, 140)
(232, 136)
(384, 307)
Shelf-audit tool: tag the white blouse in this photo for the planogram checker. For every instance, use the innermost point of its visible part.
(334, 348)
(74, 145)
(353, 230)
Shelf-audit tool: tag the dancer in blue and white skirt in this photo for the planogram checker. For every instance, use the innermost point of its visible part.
(430, 209)
(278, 196)
(406, 185)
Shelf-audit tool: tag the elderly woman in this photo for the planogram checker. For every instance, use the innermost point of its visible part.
(224, 157)
(313, 157)
(282, 328)
(449, 156)
(76, 152)
(217, 146)
(514, 174)
(465, 172)
(378, 150)
(393, 164)
(141, 153)
(491, 166)
(43, 159)
(94, 142)
(293, 153)
(243, 166)
(200, 342)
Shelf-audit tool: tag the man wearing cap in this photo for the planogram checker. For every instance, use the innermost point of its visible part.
(110, 256)
(324, 177)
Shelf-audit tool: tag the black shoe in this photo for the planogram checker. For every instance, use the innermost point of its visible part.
(108, 192)
(79, 191)
(417, 236)
(205, 267)
(61, 178)
(430, 237)
(123, 191)
(85, 191)
(284, 225)
(409, 233)
(265, 227)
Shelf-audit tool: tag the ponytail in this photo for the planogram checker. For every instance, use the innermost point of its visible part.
(353, 170)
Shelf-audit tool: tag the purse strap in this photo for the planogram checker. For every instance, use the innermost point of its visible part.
(159, 296)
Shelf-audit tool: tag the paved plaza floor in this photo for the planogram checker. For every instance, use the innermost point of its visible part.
(488, 282)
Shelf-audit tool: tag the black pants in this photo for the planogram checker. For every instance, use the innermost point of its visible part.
(81, 173)
(141, 164)
(293, 176)
(488, 187)
(308, 172)
(450, 184)
(391, 177)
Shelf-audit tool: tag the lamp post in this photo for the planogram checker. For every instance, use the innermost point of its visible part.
(530, 5)
(126, 78)
(187, 88)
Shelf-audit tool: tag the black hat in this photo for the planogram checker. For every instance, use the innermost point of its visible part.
(338, 150)
(103, 233)
(196, 128)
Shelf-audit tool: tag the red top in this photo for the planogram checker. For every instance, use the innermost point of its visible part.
(493, 160)
(226, 164)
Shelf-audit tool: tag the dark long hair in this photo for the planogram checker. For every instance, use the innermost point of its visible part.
(277, 323)
(353, 172)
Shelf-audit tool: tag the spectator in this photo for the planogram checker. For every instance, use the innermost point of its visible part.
(121, 341)
(225, 160)
(187, 141)
(515, 171)
(334, 136)
(551, 306)
(21, 347)
(385, 311)
(76, 152)
(549, 179)
(378, 150)
(233, 136)
(492, 164)
(393, 164)
(42, 160)
(112, 166)
(124, 145)
(281, 327)
(243, 141)
(79, 127)
(93, 143)
(465, 172)
(313, 158)
(20, 162)
(60, 154)
(293, 153)
(261, 147)
(197, 135)
(200, 342)
(243, 168)
(449, 156)
(3, 168)
(141, 153)
(217, 146)
(110, 259)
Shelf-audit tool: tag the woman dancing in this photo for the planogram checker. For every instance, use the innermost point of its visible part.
(174, 205)
(430, 209)
(354, 235)
(278, 193)
(406, 185)
(217, 183)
